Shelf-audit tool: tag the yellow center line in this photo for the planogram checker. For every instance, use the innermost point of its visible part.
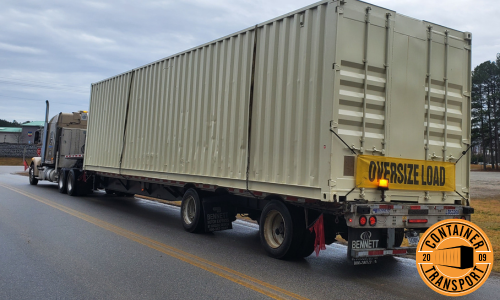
(214, 268)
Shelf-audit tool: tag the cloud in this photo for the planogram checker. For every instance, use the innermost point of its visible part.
(19, 49)
(74, 43)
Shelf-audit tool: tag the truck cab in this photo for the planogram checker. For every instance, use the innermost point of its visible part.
(62, 143)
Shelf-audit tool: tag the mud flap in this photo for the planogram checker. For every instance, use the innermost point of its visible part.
(219, 214)
(361, 239)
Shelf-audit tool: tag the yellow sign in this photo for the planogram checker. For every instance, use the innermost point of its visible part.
(454, 257)
(405, 174)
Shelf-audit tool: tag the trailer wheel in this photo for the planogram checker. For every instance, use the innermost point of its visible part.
(192, 212)
(72, 183)
(281, 231)
(62, 182)
(31, 174)
(399, 235)
(307, 247)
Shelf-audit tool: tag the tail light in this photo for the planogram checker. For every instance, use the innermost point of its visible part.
(372, 220)
(417, 220)
(362, 220)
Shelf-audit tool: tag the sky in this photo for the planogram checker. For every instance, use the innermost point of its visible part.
(54, 49)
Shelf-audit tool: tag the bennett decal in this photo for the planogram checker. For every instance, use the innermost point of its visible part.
(405, 174)
(365, 242)
(454, 257)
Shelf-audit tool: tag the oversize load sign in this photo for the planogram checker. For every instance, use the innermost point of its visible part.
(405, 174)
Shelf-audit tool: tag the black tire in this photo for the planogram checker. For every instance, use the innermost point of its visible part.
(192, 215)
(399, 235)
(281, 230)
(307, 247)
(109, 192)
(62, 182)
(121, 194)
(72, 184)
(31, 175)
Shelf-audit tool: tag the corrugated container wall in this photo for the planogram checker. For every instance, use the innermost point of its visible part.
(346, 66)
(187, 114)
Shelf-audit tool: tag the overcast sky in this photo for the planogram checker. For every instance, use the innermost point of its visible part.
(55, 49)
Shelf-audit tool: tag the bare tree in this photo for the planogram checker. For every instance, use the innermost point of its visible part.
(19, 137)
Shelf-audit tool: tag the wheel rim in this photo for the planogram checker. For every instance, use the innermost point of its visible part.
(274, 229)
(189, 212)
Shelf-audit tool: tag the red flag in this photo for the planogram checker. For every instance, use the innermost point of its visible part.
(319, 229)
(25, 165)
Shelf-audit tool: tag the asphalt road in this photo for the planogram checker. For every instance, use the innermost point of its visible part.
(53, 246)
(484, 185)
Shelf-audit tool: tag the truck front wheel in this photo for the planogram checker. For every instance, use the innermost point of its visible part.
(282, 231)
(192, 212)
(31, 174)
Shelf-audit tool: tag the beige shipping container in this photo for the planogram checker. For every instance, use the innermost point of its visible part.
(277, 106)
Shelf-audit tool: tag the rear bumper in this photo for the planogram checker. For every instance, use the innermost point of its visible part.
(404, 215)
(377, 252)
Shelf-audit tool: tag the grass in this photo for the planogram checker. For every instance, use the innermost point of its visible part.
(481, 168)
(487, 217)
(12, 161)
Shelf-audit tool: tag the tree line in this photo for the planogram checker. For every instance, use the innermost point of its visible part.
(5, 123)
(486, 113)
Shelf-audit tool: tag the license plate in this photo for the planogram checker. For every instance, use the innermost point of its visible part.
(381, 211)
(413, 240)
(364, 261)
(452, 212)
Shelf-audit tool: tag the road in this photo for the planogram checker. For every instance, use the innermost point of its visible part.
(484, 185)
(53, 246)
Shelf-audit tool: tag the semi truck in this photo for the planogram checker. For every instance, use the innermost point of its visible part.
(340, 118)
(62, 147)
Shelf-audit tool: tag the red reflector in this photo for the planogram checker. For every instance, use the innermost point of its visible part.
(376, 252)
(415, 207)
(362, 220)
(417, 220)
(350, 220)
(386, 206)
(372, 221)
(400, 251)
(449, 207)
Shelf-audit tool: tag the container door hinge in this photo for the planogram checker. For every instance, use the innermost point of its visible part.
(466, 94)
(336, 67)
(332, 182)
(333, 125)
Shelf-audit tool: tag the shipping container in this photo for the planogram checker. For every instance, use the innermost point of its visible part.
(387, 84)
(461, 257)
